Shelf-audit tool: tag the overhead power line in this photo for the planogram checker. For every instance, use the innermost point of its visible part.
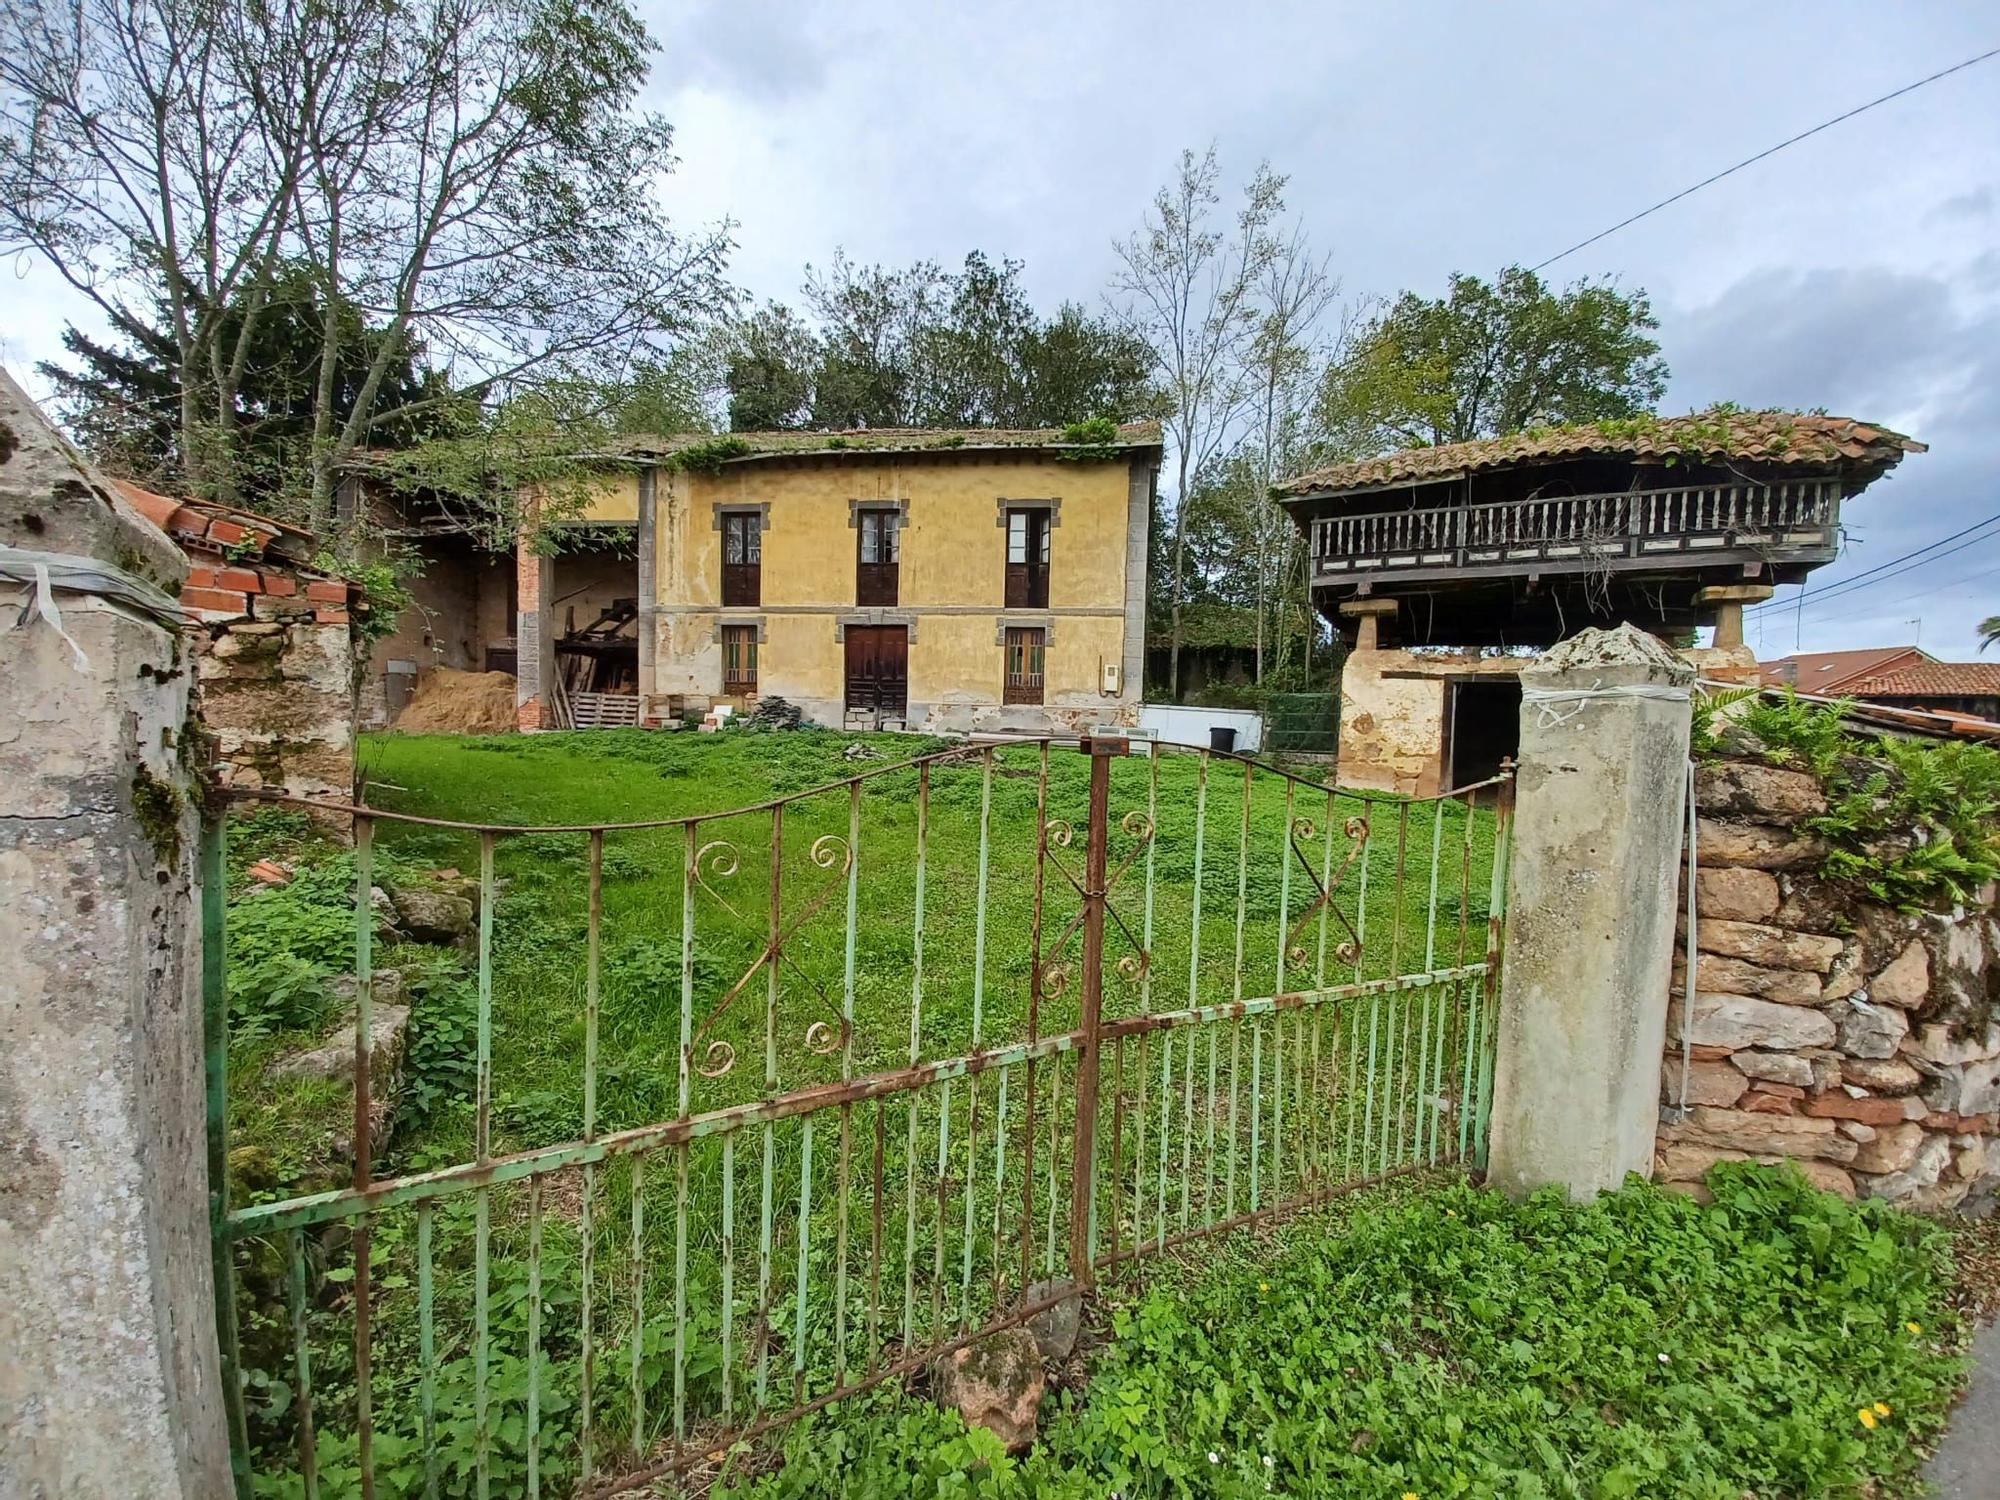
(1908, 88)
(1884, 572)
(1841, 583)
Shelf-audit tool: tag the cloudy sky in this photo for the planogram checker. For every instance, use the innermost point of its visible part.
(1858, 271)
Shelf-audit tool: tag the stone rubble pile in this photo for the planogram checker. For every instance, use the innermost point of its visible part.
(1858, 1041)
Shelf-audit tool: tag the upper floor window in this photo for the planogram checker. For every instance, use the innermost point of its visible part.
(1028, 558)
(879, 557)
(742, 557)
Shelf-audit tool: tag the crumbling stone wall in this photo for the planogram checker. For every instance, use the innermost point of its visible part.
(278, 693)
(1857, 1040)
(277, 645)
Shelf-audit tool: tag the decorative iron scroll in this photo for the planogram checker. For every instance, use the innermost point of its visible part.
(1132, 967)
(1304, 829)
(719, 859)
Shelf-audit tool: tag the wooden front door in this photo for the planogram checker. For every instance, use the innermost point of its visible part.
(878, 670)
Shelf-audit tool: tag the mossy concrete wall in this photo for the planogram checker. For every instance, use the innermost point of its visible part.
(109, 1376)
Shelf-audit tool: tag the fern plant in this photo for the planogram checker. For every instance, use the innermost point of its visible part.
(1913, 823)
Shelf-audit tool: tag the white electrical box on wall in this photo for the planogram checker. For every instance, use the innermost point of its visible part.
(1113, 675)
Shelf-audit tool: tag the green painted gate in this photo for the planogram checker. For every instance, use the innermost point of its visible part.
(955, 1037)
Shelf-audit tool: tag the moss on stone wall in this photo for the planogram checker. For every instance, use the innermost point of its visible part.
(159, 806)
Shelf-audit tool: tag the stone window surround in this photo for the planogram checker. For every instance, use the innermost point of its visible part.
(855, 507)
(763, 631)
(1053, 506)
(903, 617)
(1026, 620)
(721, 508)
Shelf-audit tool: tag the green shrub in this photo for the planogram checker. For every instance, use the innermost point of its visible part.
(441, 1065)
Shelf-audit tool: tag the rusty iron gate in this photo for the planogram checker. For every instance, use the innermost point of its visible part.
(1013, 1017)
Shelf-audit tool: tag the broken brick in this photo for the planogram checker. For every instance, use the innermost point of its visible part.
(221, 600)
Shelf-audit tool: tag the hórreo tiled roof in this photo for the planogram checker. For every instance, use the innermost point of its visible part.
(1777, 437)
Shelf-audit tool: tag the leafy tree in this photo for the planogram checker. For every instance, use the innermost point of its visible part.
(120, 397)
(926, 347)
(1074, 363)
(1989, 631)
(1295, 294)
(468, 172)
(1187, 287)
(770, 372)
(1491, 358)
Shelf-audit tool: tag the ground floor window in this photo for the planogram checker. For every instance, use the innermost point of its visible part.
(1025, 651)
(739, 658)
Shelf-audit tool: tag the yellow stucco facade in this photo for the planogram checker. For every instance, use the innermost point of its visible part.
(949, 614)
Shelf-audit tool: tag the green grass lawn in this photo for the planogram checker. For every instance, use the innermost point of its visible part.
(540, 919)
(1219, 888)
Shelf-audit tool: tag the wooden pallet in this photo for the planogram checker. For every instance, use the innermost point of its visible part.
(604, 710)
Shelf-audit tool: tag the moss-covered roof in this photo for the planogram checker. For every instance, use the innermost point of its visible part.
(1797, 439)
(1131, 436)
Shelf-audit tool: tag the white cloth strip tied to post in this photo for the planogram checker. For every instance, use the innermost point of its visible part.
(1546, 699)
(47, 573)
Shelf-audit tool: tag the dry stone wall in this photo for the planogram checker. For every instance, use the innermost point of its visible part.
(1859, 1041)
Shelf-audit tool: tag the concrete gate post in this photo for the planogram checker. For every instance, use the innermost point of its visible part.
(1599, 816)
(110, 1382)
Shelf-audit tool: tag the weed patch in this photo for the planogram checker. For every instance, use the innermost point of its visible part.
(1780, 1342)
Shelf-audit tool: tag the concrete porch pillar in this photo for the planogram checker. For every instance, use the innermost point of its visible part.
(1599, 815)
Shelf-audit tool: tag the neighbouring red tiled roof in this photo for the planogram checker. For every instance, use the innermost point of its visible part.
(1932, 679)
(1831, 672)
(1775, 437)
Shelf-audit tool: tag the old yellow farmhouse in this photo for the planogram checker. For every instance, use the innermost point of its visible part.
(975, 580)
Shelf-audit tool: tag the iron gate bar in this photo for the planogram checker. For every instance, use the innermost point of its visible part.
(214, 866)
(1435, 1016)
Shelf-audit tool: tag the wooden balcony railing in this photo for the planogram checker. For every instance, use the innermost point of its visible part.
(1634, 523)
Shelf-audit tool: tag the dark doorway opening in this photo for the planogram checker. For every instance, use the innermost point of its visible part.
(1483, 727)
